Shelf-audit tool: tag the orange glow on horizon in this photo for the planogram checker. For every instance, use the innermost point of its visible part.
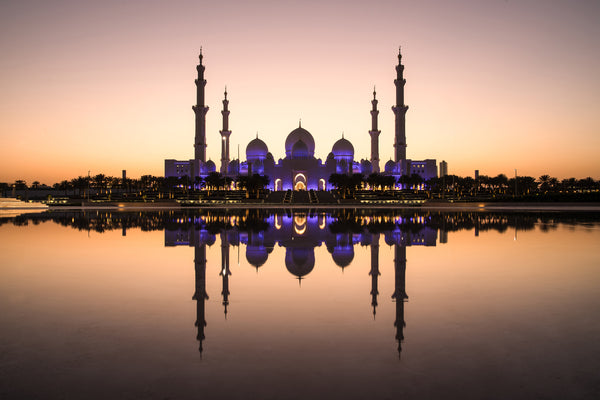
(491, 86)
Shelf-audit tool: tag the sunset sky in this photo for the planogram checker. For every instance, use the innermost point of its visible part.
(494, 85)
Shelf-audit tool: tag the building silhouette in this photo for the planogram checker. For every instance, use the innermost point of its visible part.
(299, 169)
(443, 169)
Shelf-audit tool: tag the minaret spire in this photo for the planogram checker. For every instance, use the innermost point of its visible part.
(225, 133)
(200, 109)
(374, 132)
(400, 112)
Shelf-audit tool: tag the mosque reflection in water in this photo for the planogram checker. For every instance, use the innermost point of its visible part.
(299, 234)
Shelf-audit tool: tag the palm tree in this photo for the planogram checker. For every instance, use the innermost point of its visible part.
(553, 182)
(388, 181)
(356, 182)
(415, 180)
(253, 184)
(569, 185)
(198, 182)
(374, 181)
(404, 181)
(80, 183)
(214, 180)
(99, 182)
(341, 182)
(544, 183)
(64, 185)
(587, 183)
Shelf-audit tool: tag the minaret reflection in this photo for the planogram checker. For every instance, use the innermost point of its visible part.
(400, 295)
(300, 233)
(225, 272)
(200, 294)
(374, 271)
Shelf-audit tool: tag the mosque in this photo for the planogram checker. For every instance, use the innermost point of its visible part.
(300, 169)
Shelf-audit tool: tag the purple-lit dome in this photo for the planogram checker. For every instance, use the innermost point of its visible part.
(256, 149)
(256, 255)
(296, 135)
(343, 148)
(390, 166)
(343, 256)
(210, 166)
(299, 261)
(300, 150)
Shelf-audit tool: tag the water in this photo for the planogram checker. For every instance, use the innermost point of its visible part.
(298, 305)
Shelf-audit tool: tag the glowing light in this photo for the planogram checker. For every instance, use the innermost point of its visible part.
(300, 224)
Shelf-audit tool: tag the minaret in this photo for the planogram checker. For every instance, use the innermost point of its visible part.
(200, 109)
(374, 135)
(225, 132)
(400, 295)
(374, 271)
(400, 112)
(200, 294)
(225, 270)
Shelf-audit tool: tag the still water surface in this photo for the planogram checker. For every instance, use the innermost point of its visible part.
(299, 305)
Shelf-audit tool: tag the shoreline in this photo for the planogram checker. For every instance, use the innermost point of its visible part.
(433, 206)
(427, 206)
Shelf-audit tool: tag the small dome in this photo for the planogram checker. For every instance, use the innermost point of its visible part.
(395, 237)
(299, 150)
(256, 255)
(256, 148)
(390, 166)
(206, 237)
(343, 148)
(210, 166)
(233, 167)
(296, 135)
(343, 256)
(365, 167)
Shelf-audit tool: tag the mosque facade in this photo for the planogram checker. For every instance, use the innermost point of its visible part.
(299, 169)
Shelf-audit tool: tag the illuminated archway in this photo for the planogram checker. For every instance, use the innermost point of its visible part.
(300, 182)
(300, 224)
(277, 184)
(322, 184)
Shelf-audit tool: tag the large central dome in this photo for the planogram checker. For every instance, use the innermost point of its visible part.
(297, 135)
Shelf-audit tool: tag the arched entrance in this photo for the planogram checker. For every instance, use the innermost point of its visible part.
(277, 184)
(300, 181)
(322, 184)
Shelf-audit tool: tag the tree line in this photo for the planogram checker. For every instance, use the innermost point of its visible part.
(464, 187)
(346, 185)
(101, 184)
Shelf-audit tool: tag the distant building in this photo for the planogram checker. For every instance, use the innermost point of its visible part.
(300, 169)
(443, 168)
